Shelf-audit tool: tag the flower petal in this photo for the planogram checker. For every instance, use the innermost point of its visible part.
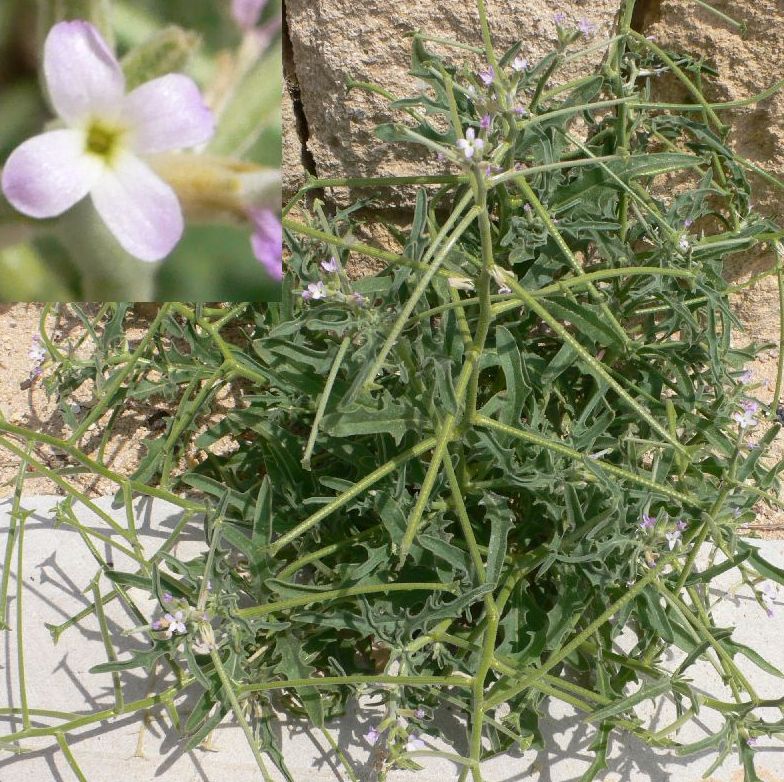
(246, 13)
(49, 173)
(139, 208)
(82, 74)
(168, 113)
(267, 241)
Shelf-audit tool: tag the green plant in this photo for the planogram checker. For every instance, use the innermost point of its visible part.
(450, 476)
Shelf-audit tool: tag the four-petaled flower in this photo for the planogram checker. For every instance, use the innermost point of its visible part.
(414, 743)
(372, 736)
(681, 525)
(485, 122)
(330, 266)
(315, 291)
(176, 623)
(648, 522)
(586, 27)
(746, 419)
(420, 713)
(487, 76)
(519, 64)
(470, 144)
(267, 241)
(98, 151)
(673, 538)
(37, 353)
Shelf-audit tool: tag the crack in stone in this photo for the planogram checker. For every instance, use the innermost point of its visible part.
(292, 86)
(646, 12)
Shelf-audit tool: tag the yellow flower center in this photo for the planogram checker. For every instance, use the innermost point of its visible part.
(104, 140)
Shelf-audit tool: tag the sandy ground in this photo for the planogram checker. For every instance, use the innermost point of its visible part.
(26, 403)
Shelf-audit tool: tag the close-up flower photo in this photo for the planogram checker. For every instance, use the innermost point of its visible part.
(490, 489)
(140, 150)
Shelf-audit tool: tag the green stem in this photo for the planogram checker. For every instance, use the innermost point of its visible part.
(228, 688)
(323, 399)
(349, 494)
(334, 594)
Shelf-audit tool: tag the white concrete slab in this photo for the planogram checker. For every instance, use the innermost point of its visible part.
(58, 568)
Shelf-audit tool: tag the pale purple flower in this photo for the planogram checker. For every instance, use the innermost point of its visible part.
(559, 18)
(648, 522)
(527, 208)
(681, 525)
(358, 299)
(267, 241)
(768, 594)
(746, 377)
(315, 291)
(176, 623)
(470, 144)
(520, 111)
(673, 538)
(746, 419)
(414, 743)
(586, 27)
(683, 243)
(167, 597)
(330, 266)
(372, 736)
(485, 122)
(487, 76)
(753, 741)
(156, 625)
(504, 289)
(36, 354)
(100, 150)
(420, 713)
(519, 64)
(246, 13)
(688, 222)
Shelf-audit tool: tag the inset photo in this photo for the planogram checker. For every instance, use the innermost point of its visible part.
(140, 150)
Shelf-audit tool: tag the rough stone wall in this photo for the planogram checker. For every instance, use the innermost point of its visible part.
(748, 62)
(333, 40)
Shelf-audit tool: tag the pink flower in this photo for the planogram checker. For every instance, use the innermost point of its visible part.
(470, 144)
(371, 736)
(267, 241)
(487, 76)
(648, 522)
(99, 151)
(246, 13)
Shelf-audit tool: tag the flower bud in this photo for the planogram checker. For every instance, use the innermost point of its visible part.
(167, 51)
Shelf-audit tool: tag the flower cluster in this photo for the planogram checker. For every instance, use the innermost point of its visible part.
(315, 291)
(177, 617)
(673, 536)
